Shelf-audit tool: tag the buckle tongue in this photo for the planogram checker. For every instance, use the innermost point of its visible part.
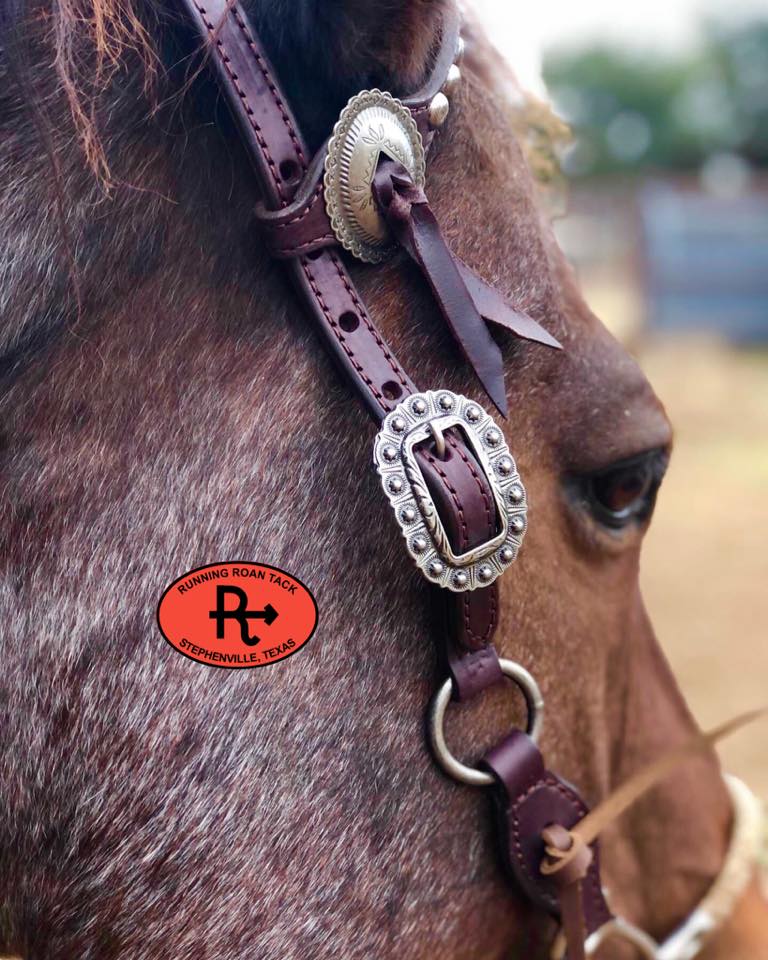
(420, 417)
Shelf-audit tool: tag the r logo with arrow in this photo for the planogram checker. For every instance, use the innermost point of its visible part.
(241, 613)
(208, 614)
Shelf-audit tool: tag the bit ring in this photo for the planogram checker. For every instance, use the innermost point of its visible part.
(453, 767)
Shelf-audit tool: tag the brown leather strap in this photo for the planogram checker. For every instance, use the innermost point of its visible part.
(303, 225)
(495, 309)
(474, 672)
(463, 497)
(277, 150)
(410, 218)
(531, 798)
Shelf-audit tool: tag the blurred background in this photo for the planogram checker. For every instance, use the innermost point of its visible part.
(663, 211)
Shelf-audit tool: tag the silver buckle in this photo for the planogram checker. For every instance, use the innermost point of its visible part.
(414, 420)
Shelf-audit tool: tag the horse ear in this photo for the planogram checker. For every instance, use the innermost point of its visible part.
(326, 50)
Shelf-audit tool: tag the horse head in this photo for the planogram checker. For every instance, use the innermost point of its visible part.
(166, 404)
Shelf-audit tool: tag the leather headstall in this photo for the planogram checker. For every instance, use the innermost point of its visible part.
(444, 465)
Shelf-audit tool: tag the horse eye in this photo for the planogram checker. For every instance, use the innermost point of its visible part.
(626, 491)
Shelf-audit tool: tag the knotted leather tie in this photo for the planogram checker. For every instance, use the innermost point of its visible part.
(463, 298)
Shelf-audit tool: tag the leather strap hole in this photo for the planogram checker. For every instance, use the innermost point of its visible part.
(349, 322)
(315, 254)
(290, 171)
(392, 390)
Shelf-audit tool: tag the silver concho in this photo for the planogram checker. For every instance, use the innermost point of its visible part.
(372, 123)
(411, 423)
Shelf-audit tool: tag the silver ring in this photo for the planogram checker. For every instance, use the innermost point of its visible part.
(459, 771)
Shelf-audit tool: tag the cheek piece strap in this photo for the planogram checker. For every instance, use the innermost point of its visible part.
(444, 465)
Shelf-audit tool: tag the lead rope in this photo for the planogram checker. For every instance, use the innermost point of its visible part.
(568, 853)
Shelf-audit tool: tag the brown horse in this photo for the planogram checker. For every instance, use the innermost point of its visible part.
(165, 404)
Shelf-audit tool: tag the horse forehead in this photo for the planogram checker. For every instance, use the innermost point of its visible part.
(601, 407)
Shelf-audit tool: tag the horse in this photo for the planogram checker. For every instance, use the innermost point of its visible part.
(166, 404)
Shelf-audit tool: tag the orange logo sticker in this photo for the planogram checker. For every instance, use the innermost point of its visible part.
(237, 614)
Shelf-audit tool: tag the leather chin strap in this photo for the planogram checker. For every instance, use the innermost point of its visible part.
(535, 806)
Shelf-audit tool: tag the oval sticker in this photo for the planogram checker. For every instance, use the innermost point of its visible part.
(237, 614)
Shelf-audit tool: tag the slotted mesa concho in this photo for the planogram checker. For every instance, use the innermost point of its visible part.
(412, 422)
(372, 123)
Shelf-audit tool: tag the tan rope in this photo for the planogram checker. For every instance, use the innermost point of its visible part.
(587, 829)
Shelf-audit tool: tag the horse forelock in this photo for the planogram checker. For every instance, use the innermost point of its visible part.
(90, 43)
(87, 42)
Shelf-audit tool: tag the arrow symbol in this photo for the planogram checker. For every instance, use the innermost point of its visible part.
(268, 614)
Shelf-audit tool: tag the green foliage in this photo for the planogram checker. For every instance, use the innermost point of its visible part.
(634, 110)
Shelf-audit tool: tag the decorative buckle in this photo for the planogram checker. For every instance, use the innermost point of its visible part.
(372, 123)
(414, 420)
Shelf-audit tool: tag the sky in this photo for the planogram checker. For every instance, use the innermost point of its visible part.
(521, 29)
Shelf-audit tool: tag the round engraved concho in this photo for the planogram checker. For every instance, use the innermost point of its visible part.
(404, 429)
(372, 123)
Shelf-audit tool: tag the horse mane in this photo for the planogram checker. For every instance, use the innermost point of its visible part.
(87, 42)
(92, 42)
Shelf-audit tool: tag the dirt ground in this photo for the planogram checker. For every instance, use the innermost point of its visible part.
(705, 561)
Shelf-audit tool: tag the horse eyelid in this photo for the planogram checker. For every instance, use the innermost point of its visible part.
(593, 488)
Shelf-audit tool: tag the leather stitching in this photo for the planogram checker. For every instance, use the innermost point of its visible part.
(280, 224)
(225, 58)
(299, 248)
(363, 315)
(486, 499)
(466, 601)
(581, 809)
(480, 639)
(272, 88)
(337, 333)
(454, 496)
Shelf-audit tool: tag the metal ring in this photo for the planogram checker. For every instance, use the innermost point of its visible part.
(459, 771)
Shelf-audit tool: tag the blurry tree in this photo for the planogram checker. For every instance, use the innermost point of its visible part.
(633, 110)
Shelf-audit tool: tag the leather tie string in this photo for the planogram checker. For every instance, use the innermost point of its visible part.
(463, 298)
(559, 843)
